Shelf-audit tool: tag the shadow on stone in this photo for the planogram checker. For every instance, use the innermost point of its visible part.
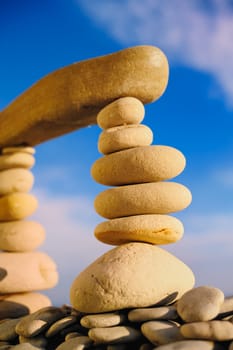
(3, 273)
(10, 309)
(168, 300)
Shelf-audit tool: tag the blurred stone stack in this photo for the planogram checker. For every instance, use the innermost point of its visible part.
(23, 270)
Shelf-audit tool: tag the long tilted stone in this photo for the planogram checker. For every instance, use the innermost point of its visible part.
(25, 272)
(123, 111)
(149, 198)
(131, 275)
(124, 137)
(21, 235)
(17, 206)
(155, 229)
(138, 165)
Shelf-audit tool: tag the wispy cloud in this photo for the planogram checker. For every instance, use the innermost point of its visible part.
(225, 177)
(207, 248)
(190, 33)
(69, 222)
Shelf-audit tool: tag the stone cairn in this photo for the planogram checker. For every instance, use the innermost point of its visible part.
(23, 270)
(137, 295)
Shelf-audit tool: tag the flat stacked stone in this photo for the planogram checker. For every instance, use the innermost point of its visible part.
(23, 271)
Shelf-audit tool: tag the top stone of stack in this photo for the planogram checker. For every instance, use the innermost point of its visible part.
(127, 110)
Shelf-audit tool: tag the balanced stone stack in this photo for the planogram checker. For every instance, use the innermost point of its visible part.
(23, 270)
(137, 273)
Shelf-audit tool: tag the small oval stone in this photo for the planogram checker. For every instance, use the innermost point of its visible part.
(138, 165)
(26, 346)
(209, 330)
(21, 236)
(72, 335)
(124, 137)
(150, 228)
(146, 346)
(107, 285)
(59, 325)
(125, 110)
(227, 307)
(5, 345)
(102, 320)
(25, 272)
(77, 343)
(39, 341)
(15, 180)
(118, 347)
(36, 323)
(200, 304)
(150, 198)
(119, 334)
(7, 329)
(17, 206)
(26, 149)
(16, 160)
(188, 345)
(155, 313)
(161, 332)
(76, 327)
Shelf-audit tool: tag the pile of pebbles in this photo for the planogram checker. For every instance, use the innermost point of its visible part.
(200, 320)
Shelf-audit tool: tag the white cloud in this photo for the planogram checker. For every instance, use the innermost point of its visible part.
(189, 34)
(225, 177)
(70, 221)
(207, 248)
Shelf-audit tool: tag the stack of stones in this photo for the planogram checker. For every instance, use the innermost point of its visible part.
(23, 270)
(137, 273)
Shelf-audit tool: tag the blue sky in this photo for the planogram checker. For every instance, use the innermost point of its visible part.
(194, 115)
